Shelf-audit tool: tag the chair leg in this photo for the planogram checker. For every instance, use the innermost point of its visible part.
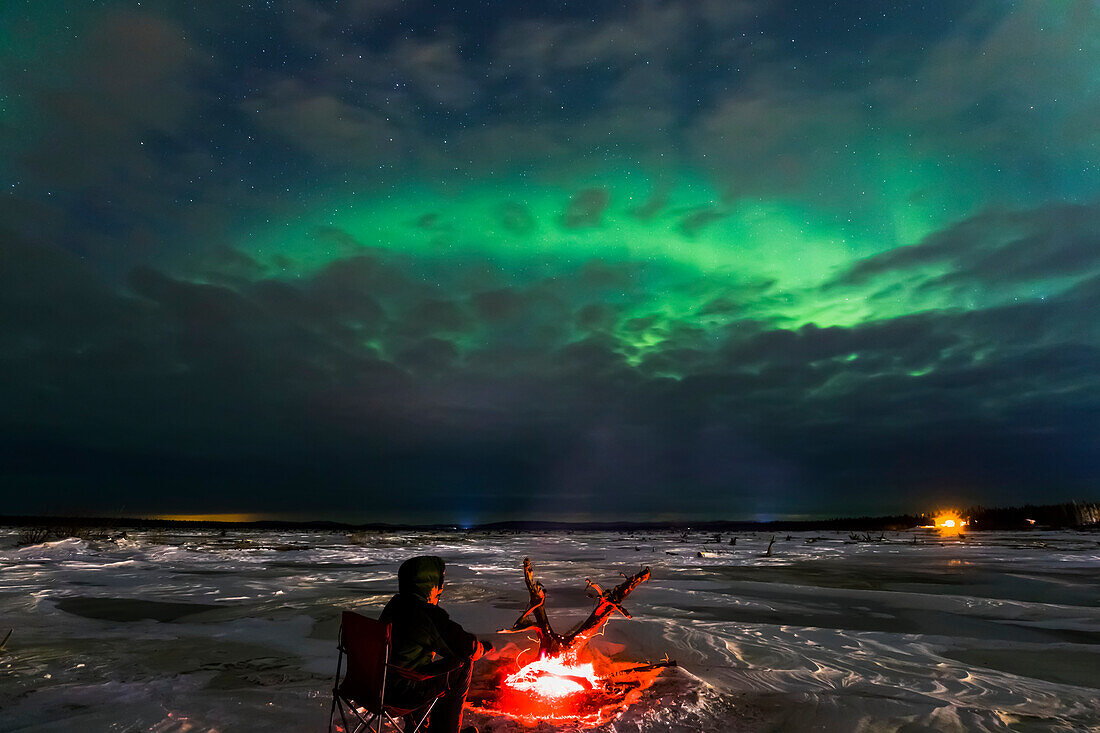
(343, 718)
(361, 723)
(336, 682)
(424, 717)
(368, 724)
(375, 723)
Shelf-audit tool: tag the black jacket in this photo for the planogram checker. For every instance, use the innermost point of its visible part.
(418, 627)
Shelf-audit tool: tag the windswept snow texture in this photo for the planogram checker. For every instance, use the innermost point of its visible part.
(203, 631)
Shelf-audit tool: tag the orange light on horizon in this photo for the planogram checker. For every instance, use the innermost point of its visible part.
(949, 522)
(208, 517)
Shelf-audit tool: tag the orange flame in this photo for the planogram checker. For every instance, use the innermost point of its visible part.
(553, 678)
(563, 689)
(948, 522)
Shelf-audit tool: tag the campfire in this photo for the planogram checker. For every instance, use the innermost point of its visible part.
(567, 680)
(949, 523)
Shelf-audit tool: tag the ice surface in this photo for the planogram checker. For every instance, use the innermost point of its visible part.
(205, 631)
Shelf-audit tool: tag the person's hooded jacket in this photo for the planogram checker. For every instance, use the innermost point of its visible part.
(420, 628)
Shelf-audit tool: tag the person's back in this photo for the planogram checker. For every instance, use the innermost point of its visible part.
(426, 640)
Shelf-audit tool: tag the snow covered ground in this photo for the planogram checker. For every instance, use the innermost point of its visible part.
(204, 631)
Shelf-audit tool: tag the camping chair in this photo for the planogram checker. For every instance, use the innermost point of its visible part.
(362, 692)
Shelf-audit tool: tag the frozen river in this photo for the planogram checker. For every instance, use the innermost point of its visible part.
(203, 631)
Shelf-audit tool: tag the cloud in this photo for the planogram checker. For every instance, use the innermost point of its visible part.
(697, 219)
(272, 381)
(995, 249)
(133, 81)
(497, 305)
(650, 32)
(585, 208)
(325, 126)
(434, 316)
(437, 72)
(1006, 87)
(786, 144)
(189, 301)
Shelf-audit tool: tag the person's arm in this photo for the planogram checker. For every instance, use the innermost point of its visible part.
(455, 640)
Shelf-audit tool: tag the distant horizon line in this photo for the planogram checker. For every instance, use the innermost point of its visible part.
(260, 521)
(242, 518)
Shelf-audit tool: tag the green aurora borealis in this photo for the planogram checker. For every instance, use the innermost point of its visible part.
(717, 259)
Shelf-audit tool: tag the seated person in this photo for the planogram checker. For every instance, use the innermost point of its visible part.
(426, 640)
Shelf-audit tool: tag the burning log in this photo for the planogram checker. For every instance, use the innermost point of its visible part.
(643, 668)
(567, 682)
(552, 643)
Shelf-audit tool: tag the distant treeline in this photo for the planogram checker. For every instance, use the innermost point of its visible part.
(893, 523)
(1075, 514)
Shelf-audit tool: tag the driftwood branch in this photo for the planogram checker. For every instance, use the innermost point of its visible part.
(643, 668)
(552, 643)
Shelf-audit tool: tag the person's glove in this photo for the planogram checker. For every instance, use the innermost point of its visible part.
(482, 648)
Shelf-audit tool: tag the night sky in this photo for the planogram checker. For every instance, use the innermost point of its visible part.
(463, 262)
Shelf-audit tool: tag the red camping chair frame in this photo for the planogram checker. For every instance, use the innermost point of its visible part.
(361, 694)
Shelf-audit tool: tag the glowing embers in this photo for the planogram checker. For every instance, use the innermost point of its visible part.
(553, 678)
(562, 689)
